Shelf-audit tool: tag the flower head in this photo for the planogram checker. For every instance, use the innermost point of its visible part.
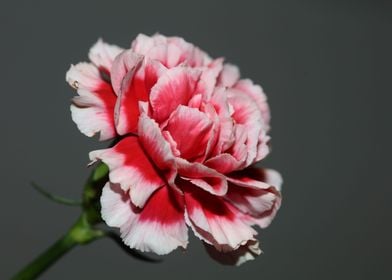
(188, 132)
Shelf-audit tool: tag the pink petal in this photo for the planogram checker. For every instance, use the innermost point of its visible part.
(159, 227)
(131, 168)
(229, 76)
(202, 176)
(224, 163)
(157, 148)
(226, 134)
(83, 76)
(257, 94)
(115, 205)
(135, 89)
(169, 55)
(244, 253)
(191, 130)
(256, 178)
(142, 44)
(93, 109)
(247, 113)
(209, 77)
(123, 69)
(215, 221)
(263, 147)
(170, 51)
(239, 149)
(158, 47)
(175, 87)
(250, 194)
(103, 55)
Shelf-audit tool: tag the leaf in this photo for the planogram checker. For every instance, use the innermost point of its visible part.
(55, 198)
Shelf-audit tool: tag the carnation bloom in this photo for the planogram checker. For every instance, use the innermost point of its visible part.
(188, 132)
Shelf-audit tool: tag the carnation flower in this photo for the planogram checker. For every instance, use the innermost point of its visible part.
(188, 132)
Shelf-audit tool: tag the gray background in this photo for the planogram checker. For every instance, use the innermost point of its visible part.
(326, 66)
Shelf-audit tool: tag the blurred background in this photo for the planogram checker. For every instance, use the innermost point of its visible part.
(326, 67)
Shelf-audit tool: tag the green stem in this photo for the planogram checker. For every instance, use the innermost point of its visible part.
(80, 233)
(46, 259)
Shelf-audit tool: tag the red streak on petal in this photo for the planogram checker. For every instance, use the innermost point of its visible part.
(134, 156)
(212, 206)
(164, 206)
(106, 94)
(130, 102)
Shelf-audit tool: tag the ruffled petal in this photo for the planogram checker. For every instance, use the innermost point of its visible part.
(131, 168)
(257, 94)
(175, 87)
(116, 208)
(247, 113)
(256, 192)
(123, 69)
(256, 178)
(215, 221)
(223, 163)
(103, 55)
(226, 134)
(209, 77)
(159, 227)
(170, 51)
(93, 109)
(229, 76)
(191, 130)
(244, 253)
(135, 89)
(157, 148)
(202, 176)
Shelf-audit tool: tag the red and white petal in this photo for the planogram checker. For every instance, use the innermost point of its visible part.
(239, 149)
(93, 109)
(124, 66)
(173, 144)
(171, 51)
(226, 136)
(142, 44)
(135, 89)
(83, 76)
(197, 58)
(263, 148)
(175, 87)
(265, 220)
(191, 130)
(215, 221)
(93, 119)
(257, 94)
(209, 77)
(224, 163)
(261, 204)
(229, 76)
(116, 207)
(157, 147)
(195, 101)
(103, 55)
(191, 55)
(247, 114)
(202, 176)
(159, 227)
(168, 54)
(244, 253)
(131, 168)
(159, 47)
(256, 178)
